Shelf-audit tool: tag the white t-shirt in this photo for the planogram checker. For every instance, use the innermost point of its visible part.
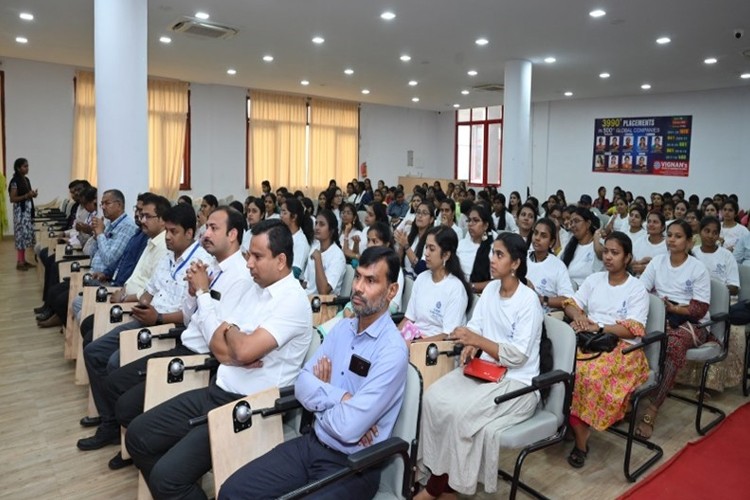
(720, 264)
(584, 263)
(437, 307)
(607, 304)
(549, 277)
(680, 284)
(456, 228)
(334, 265)
(621, 224)
(641, 233)
(516, 321)
(301, 251)
(406, 222)
(247, 237)
(467, 253)
(732, 234)
(643, 248)
(408, 268)
(349, 241)
(292, 331)
(510, 222)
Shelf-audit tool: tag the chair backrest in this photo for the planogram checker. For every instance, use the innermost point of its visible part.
(408, 286)
(719, 304)
(314, 344)
(470, 312)
(346, 284)
(563, 340)
(656, 322)
(406, 428)
(744, 282)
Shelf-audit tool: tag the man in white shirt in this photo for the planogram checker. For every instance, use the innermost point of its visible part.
(265, 348)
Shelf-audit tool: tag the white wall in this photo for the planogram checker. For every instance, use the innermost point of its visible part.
(39, 124)
(563, 135)
(387, 133)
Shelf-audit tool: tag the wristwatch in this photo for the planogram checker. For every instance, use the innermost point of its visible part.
(545, 299)
(199, 292)
(159, 319)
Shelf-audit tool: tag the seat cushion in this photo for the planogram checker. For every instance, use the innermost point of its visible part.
(704, 352)
(541, 426)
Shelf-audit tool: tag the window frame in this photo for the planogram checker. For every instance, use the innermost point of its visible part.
(2, 121)
(185, 183)
(486, 122)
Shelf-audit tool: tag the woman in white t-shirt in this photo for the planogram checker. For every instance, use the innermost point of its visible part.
(718, 260)
(351, 232)
(731, 230)
(619, 220)
(325, 271)
(293, 215)
(475, 249)
(579, 255)
(408, 220)
(546, 273)
(410, 245)
(636, 221)
(374, 212)
(684, 284)
(615, 302)
(254, 212)
(527, 216)
(448, 217)
(651, 245)
(440, 297)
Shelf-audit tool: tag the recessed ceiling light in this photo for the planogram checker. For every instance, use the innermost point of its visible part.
(472, 72)
(456, 105)
(481, 41)
(604, 75)
(568, 94)
(413, 83)
(465, 92)
(231, 71)
(304, 82)
(597, 13)
(549, 60)
(646, 86)
(415, 99)
(202, 15)
(26, 16)
(388, 15)
(663, 40)
(710, 60)
(348, 71)
(365, 91)
(405, 58)
(318, 40)
(268, 58)
(165, 39)
(21, 39)
(745, 76)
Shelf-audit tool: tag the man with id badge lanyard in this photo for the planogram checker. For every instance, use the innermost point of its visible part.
(160, 303)
(354, 385)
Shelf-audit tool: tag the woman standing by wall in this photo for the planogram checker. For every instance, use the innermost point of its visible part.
(22, 197)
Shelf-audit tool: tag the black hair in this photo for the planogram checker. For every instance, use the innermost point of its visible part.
(355, 216)
(447, 240)
(535, 210)
(141, 196)
(211, 200)
(160, 203)
(380, 212)
(685, 227)
(641, 211)
(552, 230)
(235, 220)
(297, 211)
(480, 271)
(706, 221)
(451, 207)
(516, 247)
(735, 207)
(414, 234)
(625, 242)
(570, 248)
(258, 202)
(19, 163)
(501, 216)
(182, 215)
(373, 255)
(383, 230)
(117, 195)
(661, 218)
(279, 238)
(332, 223)
(187, 200)
(238, 206)
(88, 195)
(309, 206)
(269, 195)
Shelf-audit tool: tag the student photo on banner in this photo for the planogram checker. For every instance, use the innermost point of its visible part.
(628, 145)
(600, 146)
(656, 145)
(599, 162)
(627, 162)
(614, 143)
(614, 162)
(642, 144)
(642, 165)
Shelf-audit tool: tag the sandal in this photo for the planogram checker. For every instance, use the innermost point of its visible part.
(646, 426)
(577, 457)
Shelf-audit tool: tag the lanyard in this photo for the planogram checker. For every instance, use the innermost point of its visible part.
(215, 279)
(182, 264)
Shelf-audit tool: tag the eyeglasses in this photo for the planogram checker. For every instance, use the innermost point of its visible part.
(474, 220)
(423, 212)
(147, 216)
(575, 222)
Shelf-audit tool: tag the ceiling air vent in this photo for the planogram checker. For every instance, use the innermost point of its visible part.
(203, 29)
(490, 87)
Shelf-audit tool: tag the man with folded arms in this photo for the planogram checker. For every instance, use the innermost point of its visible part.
(262, 345)
(355, 387)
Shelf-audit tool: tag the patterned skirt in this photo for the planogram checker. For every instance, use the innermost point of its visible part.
(603, 385)
(23, 226)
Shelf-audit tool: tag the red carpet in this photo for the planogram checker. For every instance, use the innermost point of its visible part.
(715, 467)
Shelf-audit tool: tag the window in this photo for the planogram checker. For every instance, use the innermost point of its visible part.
(479, 145)
(185, 174)
(2, 122)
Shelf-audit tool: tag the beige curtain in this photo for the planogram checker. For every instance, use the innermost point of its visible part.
(334, 139)
(84, 129)
(276, 142)
(167, 121)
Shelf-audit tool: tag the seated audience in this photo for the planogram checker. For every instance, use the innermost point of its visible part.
(693, 217)
(255, 212)
(408, 220)
(208, 205)
(501, 218)
(579, 255)
(718, 260)
(459, 415)
(731, 230)
(742, 250)
(325, 271)
(651, 245)
(374, 213)
(636, 222)
(411, 245)
(397, 209)
(526, 218)
(474, 250)
(619, 220)
(293, 215)
(271, 210)
(546, 273)
(351, 232)
(447, 211)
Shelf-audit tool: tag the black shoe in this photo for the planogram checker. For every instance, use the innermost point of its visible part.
(99, 440)
(41, 309)
(45, 315)
(90, 421)
(118, 462)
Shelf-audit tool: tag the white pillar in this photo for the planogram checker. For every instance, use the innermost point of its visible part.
(516, 174)
(120, 67)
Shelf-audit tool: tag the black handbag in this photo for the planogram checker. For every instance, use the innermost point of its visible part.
(596, 343)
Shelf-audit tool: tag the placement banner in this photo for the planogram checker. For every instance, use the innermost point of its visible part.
(656, 145)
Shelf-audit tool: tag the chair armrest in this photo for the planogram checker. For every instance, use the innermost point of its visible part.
(196, 421)
(286, 391)
(647, 339)
(715, 320)
(377, 453)
(540, 382)
(339, 301)
(281, 405)
(173, 333)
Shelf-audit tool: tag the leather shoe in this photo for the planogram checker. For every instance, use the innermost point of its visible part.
(98, 440)
(41, 309)
(90, 421)
(45, 315)
(52, 321)
(117, 462)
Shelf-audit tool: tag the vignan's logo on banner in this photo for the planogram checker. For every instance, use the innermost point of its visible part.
(656, 145)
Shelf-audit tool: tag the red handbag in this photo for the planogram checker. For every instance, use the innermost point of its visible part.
(484, 370)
